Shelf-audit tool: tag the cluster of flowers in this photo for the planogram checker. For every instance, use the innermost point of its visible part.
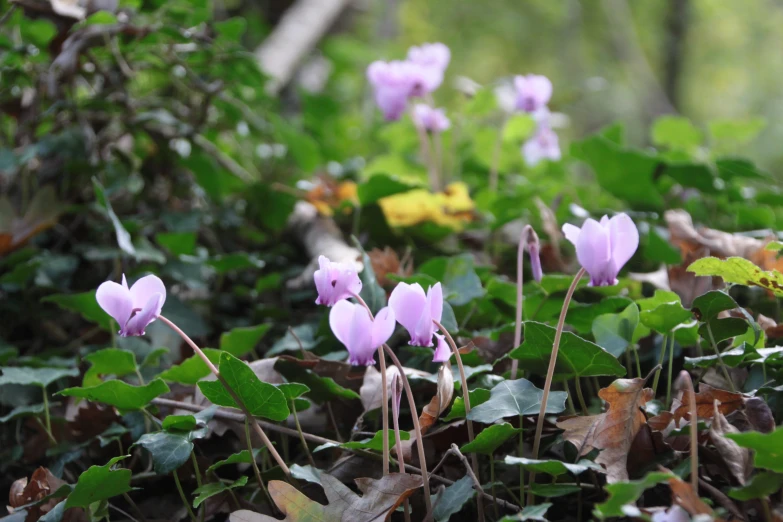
(533, 93)
(421, 73)
(418, 76)
(602, 248)
(362, 334)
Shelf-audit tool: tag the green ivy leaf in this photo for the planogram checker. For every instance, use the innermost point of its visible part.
(743, 354)
(552, 467)
(676, 132)
(576, 357)
(22, 411)
(99, 483)
(169, 450)
(243, 457)
(376, 442)
(214, 488)
(766, 447)
(84, 304)
(457, 274)
(554, 490)
(515, 398)
(110, 361)
(582, 317)
(322, 389)
(709, 305)
(761, 485)
(120, 394)
(740, 271)
(177, 243)
(260, 398)
(35, 376)
(490, 439)
(293, 390)
(623, 493)
(614, 332)
(663, 311)
(192, 369)
(451, 500)
(243, 340)
(478, 396)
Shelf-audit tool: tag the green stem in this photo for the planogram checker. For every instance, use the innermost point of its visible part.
(660, 364)
(638, 362)
(579, 395)
(47, 417)
(301, 436)
(569, 398)
(196, 469)
(521, 456)
(492, 481)
(671, 364)
(255, 464)
(549, 374)
(183, 497)
(720, 358)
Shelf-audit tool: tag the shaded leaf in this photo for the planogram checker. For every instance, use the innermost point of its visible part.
(490, 439)
(623, 493)
(243, 340)
(477, 396)
(766, 447)
(261, 399)
(110, 361)
(552, 467)
(170, 450)
(451, 500)
(242, 457)
(99, 483)
(85, 304)
(576, 356)
(515, 398)
(192, 369)
(120, 394)
(537, 513)
(762, 485)
(614, 332)
(35, 376)
(214, 488)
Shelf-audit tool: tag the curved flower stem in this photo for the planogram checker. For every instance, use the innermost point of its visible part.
(579, 395)
(416, 427)
(384, 394)
(301, 436)
(256, 471)
(183, 497)
(671, 369)
(720, 358)
(549, 374)
(521, 455)
(48, 418)
(466, 400)
(214, 370)
(686, 378)
(660, 363)
(398, 449)
(518, 325)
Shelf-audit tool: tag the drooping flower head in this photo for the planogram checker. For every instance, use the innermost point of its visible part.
(335, 281)
(543, 145)
(534, 250)
(429, 119)
(432, 60)
(602, 248)
(133, 308)
(393, 83)
(442, 351)
(415, 310)
(352, 325)
(533, 92)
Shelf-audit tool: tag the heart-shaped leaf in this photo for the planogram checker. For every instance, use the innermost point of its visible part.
(120, 394)
(614, 332)
(515, 398)
(490, 439)
(35, 376)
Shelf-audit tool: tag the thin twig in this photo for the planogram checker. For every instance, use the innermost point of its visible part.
(225, 414)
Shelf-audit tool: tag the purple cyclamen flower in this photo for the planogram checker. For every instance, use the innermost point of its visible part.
(133, 308)
(602, 248)
(352, 325)
(393, 83)
(442, 351)
(335, 281)
(432, 60)
(544, 145)
(533, 248)
(533, 92)
(415, 310)
(429, 119)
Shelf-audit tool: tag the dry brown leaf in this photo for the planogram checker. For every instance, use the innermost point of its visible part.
(772, 329)
(16, 493)
(386, 261)
(371, 390)
(42, 213)
(380, 498)
(729, 402)
(684, 496)
(758, 415)
(737, 459)
(440, 401)
(41, 484)
(612, 432)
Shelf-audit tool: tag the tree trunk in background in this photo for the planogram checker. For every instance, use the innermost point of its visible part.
(676, 34)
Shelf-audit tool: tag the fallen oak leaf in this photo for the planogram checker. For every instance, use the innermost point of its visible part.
(380, 498)
(684, 496)
(729, 402)
(440, 401)
(737, 459)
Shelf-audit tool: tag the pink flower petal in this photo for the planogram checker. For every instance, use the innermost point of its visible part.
(116, 301)
(383, 326)
(592, 250)
(146, 287)
(340, 317)
(149, 312)
(442, 351)
(623, 238)
(408, 302)
(435, 301)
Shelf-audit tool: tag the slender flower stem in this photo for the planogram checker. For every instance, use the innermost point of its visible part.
(214, 370)
(183, 497)
(196, 470)
(579, 395)
(521, 455)
(549, 374)
(301, 436)
(47, 417)
(416, 427)
(671, 365)
(384, 394)
(253, 462)
(492, 481)
(686, 378)
(135, 508)
(518, 325)
(638, 362)
(466, 400)
(660, 363)
(398, 450)
(720, 358)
